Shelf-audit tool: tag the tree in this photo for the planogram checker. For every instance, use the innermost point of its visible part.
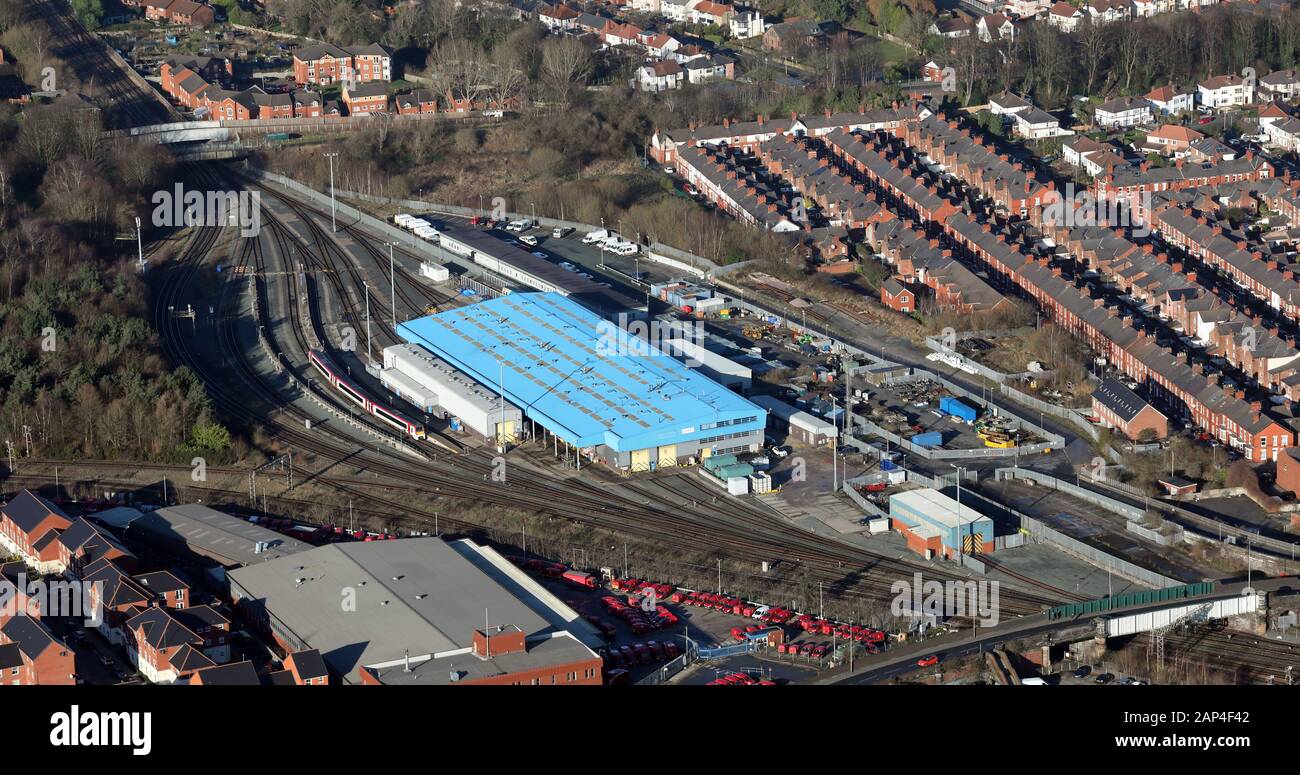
(89, 13)
(1094, 47)
(566, 65)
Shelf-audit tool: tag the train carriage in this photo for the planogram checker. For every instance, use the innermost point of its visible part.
(385, 414)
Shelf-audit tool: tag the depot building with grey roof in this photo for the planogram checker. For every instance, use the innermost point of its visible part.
(418, 611)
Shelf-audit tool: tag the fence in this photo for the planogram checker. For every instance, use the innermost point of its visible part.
(722, 652)
(665, 672)
(1062, 412)
(1042, 533)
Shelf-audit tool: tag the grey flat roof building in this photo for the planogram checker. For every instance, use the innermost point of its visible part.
(378, 604)
(228, 540)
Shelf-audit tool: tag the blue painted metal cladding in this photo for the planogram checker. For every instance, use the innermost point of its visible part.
(582, 377)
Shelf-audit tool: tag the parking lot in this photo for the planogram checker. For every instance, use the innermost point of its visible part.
(706, 628)
(619, 271)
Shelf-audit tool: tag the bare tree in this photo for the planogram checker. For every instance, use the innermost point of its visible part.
(566, 65)
(1130, 45)
(1094, 46)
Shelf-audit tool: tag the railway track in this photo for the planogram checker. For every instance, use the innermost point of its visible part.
(1242, 656)
(127, 103)
(731, 529)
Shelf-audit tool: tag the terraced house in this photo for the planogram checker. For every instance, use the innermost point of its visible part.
(30, 527)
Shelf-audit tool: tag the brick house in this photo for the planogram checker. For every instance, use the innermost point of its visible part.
(307, 104)
(30, 655)
(1288, 470)
(83, 544)
(162, 648)
(234, 674)
(418, 101)
(307, 668)
(229, 105)
(118, 597)
(326, 64)
(212, 626)
(168, 589)
(1115, 406)
(897, 297)
(29, 528)
(188, 88)
(366, 98)
(190, 13)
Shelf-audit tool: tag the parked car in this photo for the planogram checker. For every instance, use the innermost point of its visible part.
(529, 240)
(1083, 671)
(1104, 678)
(560, 232)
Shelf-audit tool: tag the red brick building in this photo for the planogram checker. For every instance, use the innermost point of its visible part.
(30, 526)
(30, 655)
(163, 649)
(1115, 406)
(366, 98)
(307, 668)
(897, 297)
(326, 64)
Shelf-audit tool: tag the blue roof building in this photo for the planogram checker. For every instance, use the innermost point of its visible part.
(589, 383)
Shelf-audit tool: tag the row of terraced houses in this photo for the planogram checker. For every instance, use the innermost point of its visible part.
(904, 161)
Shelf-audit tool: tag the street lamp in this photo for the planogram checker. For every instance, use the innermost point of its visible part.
(961, 472)
(392, 283)
(333, 208)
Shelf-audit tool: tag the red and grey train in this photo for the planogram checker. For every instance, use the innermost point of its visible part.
(387, 415)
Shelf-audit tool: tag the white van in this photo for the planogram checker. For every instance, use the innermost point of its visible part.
(600, 235)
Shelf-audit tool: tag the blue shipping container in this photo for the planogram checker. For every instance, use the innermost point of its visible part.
(931, 439)
(955, 407)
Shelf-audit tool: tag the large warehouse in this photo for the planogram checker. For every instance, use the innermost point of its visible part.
(418, 376)
(418, 611)
(618, 401)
